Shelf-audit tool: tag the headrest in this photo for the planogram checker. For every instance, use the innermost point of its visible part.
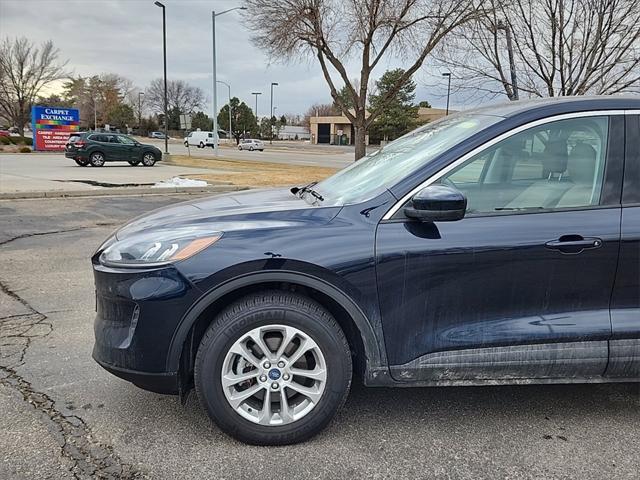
(555, 156)
(582, 163)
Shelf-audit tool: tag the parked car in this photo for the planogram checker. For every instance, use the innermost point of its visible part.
(159, 135)
(251, 144)
(199, 138)
(499, 246)
(95, 149)
(5, 133)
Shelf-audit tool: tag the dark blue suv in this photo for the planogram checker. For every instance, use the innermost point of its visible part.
(496, 246)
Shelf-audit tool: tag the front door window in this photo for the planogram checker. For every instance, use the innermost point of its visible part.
(557, 165)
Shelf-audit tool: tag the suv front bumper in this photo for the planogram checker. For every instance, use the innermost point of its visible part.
(137, 313)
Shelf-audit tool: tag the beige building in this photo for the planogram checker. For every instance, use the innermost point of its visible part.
(337, 129)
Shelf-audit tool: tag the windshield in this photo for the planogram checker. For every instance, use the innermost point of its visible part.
(384, 168)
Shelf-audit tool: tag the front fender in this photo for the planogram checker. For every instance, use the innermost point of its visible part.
(373, 342)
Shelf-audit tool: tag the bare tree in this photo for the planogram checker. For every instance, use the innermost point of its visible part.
(560, 47)
(336, 31)
(180, 95)
(24, 70)
(319, 110)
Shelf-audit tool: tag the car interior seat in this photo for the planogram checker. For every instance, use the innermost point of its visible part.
(544, 193)
(582, 171)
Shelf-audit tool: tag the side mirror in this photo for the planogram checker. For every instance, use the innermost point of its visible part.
(437, 203)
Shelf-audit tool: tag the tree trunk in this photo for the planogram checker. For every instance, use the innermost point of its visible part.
(21, 120)
(360, 137)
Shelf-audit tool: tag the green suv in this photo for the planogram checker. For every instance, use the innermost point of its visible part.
(96, 148)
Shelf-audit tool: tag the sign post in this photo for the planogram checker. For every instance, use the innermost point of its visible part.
(51, 127)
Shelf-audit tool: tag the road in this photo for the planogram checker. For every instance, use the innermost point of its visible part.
(62, 416)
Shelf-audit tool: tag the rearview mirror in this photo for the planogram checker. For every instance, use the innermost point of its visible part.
(437, 203)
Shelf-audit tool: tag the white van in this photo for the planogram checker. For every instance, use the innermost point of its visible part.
(199, 138)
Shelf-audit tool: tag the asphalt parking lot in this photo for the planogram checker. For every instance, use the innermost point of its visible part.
(62, 416)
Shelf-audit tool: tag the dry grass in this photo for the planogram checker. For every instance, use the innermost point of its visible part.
(253, 174)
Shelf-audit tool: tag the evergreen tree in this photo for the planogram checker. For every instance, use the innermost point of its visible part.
(399, 115)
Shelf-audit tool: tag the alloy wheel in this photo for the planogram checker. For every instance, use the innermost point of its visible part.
(274, 375)
(97, 159)
(148, 159)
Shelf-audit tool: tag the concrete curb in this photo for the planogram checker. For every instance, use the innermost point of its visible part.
(107, 192)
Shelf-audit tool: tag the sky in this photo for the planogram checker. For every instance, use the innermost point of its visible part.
(125, 37)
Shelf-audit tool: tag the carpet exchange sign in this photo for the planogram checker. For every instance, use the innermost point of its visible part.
(52, 126)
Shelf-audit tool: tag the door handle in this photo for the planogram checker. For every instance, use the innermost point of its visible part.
(574, 243)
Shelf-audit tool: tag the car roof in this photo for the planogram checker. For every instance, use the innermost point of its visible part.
(560, 105)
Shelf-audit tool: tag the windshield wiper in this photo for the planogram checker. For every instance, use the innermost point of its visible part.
(300, 191)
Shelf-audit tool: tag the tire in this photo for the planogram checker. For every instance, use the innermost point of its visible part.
(82, 163)
(134, 163)
(251, 149)
(201, 145)
(274, 311)
(186, 144)
(240, 147)
(148, 159)
(97, 159)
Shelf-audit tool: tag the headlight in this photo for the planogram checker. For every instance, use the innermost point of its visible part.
(158, 247)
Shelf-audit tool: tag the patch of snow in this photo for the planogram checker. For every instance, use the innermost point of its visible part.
(180, 182)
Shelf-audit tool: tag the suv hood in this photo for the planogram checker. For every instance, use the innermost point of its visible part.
(237, 211)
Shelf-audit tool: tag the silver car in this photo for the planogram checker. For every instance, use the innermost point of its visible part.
(251, 144)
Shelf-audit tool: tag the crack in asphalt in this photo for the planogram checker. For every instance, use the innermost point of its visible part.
(38, 234)
(90, 458)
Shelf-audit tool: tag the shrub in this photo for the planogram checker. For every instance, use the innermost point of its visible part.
(5, 140)
(21, 140)
(25, 150)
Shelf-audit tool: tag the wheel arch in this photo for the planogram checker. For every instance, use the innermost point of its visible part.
(367, 348)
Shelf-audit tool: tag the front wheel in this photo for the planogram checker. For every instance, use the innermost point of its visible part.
(273, 368)
(201, 145)
(134, 163)
(82, 163)
(240, 147)
(148, 159)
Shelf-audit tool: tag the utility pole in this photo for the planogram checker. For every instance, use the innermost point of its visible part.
(512, 64)
(164, 54)
(448, 74)
(271, 114)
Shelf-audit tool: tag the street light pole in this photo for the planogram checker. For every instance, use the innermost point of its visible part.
(215, 80)
(448, 74)
(164, 55)
(229, 87)
(256, 110)
(95, 115)
(271, 113)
